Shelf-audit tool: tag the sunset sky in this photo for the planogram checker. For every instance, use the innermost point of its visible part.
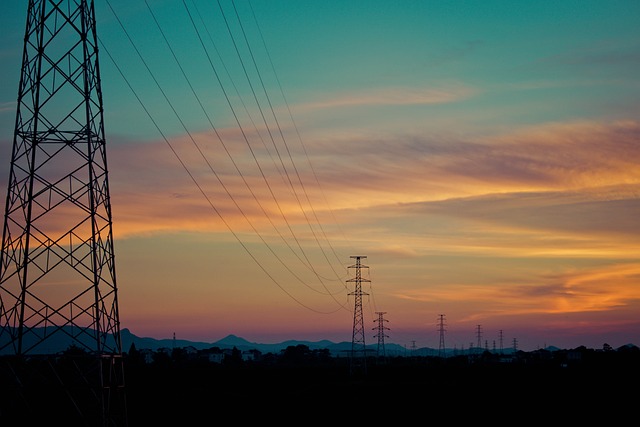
(484, 156)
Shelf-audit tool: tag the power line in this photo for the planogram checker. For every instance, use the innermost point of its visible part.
(308, 262)
(300, 139)
(186, 168)
(284, 140)
(209, 164)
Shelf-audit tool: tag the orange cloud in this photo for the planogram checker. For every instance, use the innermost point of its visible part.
(606, 288)
(547, 191)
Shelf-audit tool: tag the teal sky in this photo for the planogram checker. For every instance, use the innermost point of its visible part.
(482, 155)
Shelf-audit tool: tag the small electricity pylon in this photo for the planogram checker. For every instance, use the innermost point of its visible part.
(381, 335)
(441, 329)
(358, 359)
(57, 266)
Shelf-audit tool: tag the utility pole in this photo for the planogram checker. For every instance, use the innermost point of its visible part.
(381, 335)
(441, 329)
(358, 360)
(57, 267)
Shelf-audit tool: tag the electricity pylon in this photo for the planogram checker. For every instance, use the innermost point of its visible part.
(479, 337)
(57, 269)
(358, 360)
(441, 329)
(380, 334)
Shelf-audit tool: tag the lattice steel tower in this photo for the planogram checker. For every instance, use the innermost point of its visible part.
(358, 361)
(441, 329)
(380, 334)
(57, 269)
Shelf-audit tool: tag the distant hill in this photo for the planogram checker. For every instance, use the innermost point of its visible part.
(231, 341)
(61, 341)
(63, 338)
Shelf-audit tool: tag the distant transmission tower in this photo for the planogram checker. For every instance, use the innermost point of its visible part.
(479, 336)
(441, 329)
(380, 334)
(57, 270)
(358, 347)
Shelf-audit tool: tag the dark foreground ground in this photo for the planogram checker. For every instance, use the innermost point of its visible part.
(602, 389)
(401, 391)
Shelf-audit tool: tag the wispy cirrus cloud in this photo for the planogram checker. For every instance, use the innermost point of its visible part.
(521, 179)
(581, 290)
(389, 97)
(6, 107)
(571, 291)
(546, 157)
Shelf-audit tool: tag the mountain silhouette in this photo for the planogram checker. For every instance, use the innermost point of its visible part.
(234, 341)
(62, 340)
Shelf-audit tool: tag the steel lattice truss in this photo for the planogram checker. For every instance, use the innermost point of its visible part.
(57, 273)
(358, 346)
(380, 334)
